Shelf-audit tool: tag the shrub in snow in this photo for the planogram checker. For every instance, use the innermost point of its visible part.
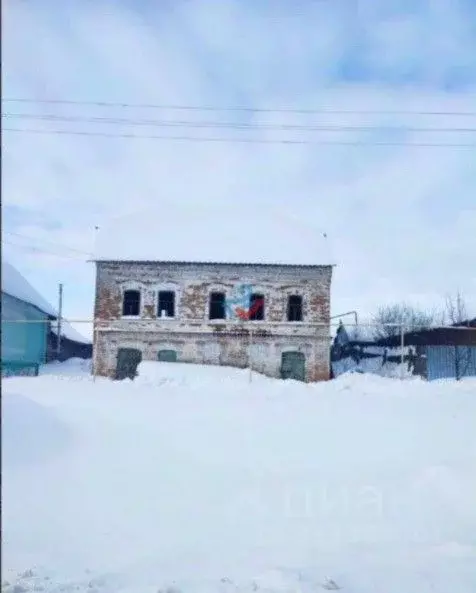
(330, 585)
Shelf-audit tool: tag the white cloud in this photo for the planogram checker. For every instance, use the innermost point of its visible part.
(402, 219)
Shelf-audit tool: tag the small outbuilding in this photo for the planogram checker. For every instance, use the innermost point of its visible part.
(440, 352)
(29, 328)
(434, 353)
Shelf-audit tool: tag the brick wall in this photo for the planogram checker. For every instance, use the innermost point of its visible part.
(192, 335)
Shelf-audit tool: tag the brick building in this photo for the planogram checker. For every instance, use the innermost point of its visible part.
(267, 307)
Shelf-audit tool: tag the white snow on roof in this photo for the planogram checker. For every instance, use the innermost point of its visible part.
(68, 332)
(213, 233)
(15, 285)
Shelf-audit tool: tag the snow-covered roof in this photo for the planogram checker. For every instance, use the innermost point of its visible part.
(213, 233)
(68, 332)
(15, 285)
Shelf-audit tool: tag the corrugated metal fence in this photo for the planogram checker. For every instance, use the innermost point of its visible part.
(451, 362)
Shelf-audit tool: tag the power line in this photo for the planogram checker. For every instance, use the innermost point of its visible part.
(238, 108)
(54, 243)
(231, 125)
(40, 250)
(241, 140)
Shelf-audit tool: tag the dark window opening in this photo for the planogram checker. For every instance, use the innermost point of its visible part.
(166, 306)
(217, 305)
(295, 308)
(256, 312)
(131, 303)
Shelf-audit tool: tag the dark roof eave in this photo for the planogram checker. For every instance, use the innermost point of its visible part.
(447, 336)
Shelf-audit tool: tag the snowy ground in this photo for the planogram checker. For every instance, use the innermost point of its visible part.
(193, 479)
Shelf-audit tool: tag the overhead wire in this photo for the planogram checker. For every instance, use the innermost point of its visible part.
(246, 126)
(222, 125)
(47, 242)
(41, 250)
(238, 108)
(217, 139)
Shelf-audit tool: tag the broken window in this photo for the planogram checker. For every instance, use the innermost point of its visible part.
(256, 312)
(295, 308)
(131, 303)
(217, 305)
(166, 306)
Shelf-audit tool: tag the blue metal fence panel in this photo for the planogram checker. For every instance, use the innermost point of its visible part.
(451, 362)
(24, 336)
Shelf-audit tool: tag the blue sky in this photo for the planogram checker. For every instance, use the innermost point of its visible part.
(402, 218)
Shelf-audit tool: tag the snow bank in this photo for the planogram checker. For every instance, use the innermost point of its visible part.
(372, 366)
(194, 479)
(152, 373)
(31, 432)
(73, 368)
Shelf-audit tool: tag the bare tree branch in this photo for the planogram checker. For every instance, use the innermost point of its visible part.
(455, 310)
(390, 318)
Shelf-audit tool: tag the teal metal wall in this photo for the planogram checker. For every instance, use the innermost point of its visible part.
(23, 344)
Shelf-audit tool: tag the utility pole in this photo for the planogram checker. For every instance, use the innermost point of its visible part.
(402, 346)
(250, 355)
(60, 313)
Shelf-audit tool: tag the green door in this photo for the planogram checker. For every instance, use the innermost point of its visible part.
(128, 359)
(293, 366)
(167, 356)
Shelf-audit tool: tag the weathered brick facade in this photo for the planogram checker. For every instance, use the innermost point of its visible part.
(193, 336)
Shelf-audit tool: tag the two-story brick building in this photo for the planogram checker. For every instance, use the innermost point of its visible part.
(265, 311)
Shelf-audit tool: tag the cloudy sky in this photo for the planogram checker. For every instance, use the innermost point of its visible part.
(364, 89)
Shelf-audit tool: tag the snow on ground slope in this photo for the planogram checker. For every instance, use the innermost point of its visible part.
(194, 479)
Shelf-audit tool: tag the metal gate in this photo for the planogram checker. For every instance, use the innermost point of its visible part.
(167, 356)
(293, 366)
(128, 359)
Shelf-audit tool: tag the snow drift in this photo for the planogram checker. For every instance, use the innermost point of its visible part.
(31, 433)
(194, 479)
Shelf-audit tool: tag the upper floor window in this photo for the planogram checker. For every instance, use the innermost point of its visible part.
(256, 312)
(294, 312)
(131, 303)
(217, 308)
(166, 304)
